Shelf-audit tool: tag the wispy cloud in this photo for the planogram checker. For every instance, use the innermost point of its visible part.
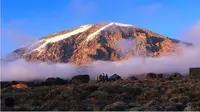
(193, 34)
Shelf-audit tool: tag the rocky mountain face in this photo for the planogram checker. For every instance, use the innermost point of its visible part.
(87, 43)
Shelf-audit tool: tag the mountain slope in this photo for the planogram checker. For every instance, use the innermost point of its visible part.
(87, 43)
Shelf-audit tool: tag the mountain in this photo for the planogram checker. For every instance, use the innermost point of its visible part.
(91, 42)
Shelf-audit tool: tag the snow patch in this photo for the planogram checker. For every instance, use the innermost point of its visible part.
(60, 37)
(120, 24)
(86, 25)
(91, 36)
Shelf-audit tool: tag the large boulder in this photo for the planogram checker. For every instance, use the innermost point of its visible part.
(79, 79)
(151, 76)
(194, 72)
(114, 77)
(55, 81)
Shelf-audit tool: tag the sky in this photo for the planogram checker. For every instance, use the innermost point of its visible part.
(24, 21)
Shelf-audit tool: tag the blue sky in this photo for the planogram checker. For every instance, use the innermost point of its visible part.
(23, 21)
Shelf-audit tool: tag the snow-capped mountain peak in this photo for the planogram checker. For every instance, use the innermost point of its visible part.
(97, 42)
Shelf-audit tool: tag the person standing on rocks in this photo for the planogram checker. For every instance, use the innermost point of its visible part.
(103, 77)
(106, 77)
(97, 78)
(100, 78)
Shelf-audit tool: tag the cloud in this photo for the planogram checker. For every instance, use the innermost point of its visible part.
(23, 70)
(82, 7)
(193, 34)
(126, 45)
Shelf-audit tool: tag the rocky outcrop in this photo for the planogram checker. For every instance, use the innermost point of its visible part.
(79, 79)
(55, 81)
(151, 76)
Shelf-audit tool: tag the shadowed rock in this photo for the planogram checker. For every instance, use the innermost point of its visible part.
(55, 81)
(79, 79)
(177, 75)
(151, 76)
(132, 78)
(159, 75)
(114, 77)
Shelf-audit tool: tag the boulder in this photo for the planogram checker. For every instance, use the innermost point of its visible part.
(176, 75)
(79, 79)
(55, 81)
(151, 76)
(14, 82)
(194, 72)
(159, 75)
(132, 78)
(114, 77)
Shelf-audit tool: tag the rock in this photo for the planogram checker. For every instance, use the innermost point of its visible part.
(132, 78)
(79, 79)
(114, 77)
(14, 82)
(117, 106)
(194, 72)
(176, 75)
(55, 81)
(189, 107)
(151, 76)
(159, 75)
(180, 106)
(180, 99)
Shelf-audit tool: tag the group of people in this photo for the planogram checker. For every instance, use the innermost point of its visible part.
(102, 78)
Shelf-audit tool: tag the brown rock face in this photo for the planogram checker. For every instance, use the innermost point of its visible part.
(98, 42)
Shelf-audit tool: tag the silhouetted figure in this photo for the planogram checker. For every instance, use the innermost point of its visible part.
(106, 77)
(97, 78)
(103, 78)
(100, 78)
